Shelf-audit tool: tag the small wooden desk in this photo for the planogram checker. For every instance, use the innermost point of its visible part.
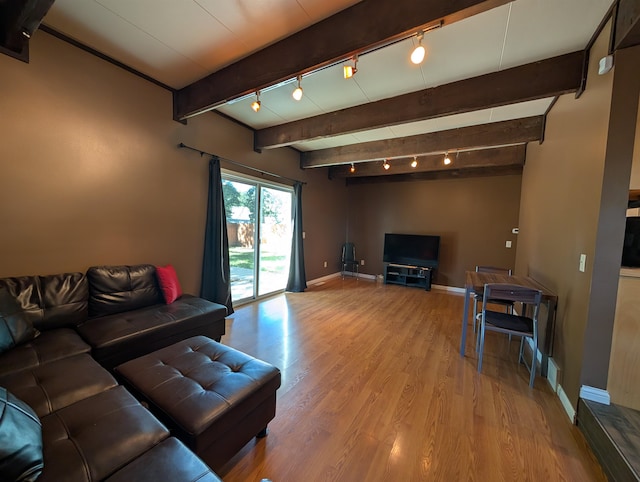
(474, 283)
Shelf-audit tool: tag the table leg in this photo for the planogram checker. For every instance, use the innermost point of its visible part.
(465, 316)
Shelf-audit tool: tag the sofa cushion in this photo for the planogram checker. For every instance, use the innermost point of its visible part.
(58, 384)
(49, 346)
(169, 284)
(20, 440)
(169, 461)
(15, 327)
(26, 291)
(116, 289)
(121, 337)
(93, 438)
(59, 300)
(64, 300)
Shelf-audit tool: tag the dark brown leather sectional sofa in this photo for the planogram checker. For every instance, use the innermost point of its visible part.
(92, 427)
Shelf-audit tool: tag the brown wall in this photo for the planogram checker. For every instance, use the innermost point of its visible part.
(473, 216)
(611, 224)
(90, 172)
(560, 208)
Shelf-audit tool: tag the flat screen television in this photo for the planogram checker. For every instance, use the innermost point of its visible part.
(411, 249)
(631, 246)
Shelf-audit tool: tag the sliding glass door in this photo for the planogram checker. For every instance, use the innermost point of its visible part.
(259, 229)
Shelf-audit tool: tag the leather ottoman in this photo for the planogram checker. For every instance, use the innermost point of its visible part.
(213, 398)
(169, 461)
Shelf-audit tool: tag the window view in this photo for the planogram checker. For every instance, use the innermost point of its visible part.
(257, 268)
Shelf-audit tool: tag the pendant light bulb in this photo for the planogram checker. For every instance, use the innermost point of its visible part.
(386, 165)
(350, 70)
(447, 159)
(255, 105)
(352, 169)
(297, 94)
(418, 54)
(414, 163)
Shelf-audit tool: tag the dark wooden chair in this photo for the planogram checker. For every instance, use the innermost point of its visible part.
(510, 323)
(349, 260)
(477, 299)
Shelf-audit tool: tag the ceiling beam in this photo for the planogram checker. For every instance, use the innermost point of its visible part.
(490, 171)
(627, 33)
(495, 134)
(537, 80)
(499, 156)
(365, 25)
(19, 20)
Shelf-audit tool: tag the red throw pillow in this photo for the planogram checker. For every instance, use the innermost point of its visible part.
(169, 284)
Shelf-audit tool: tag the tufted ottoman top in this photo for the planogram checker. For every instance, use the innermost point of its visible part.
(195, 381)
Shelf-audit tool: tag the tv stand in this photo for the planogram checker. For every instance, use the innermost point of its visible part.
(400, 274)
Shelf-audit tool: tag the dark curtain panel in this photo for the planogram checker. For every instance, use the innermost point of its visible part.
(297, 277)
(216, 279)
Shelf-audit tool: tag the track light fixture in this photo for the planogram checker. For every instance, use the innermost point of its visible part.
(386, 165)
(414, 163)
(350, 70)
(447, 159)
(417, 56)
(352, 169)
(255, 105)
(297, 94)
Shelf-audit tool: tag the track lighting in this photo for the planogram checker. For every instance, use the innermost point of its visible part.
(350, 70)
(447, 159)
(352, 169)
(297, 94)
(414, 163)
(417, 56)
(386, 165)
(255, 105)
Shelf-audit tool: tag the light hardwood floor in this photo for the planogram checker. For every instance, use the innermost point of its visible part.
(374, 389)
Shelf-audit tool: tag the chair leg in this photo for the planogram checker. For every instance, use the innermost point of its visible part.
(481, 351)
(479, 319)
(534, 358)
(475, 313)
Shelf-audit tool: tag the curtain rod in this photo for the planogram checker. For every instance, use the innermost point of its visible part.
(202, 153)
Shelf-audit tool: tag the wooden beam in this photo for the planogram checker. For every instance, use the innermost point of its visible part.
(365, 25)
(537, 80)
(490, 171)
(499, 156)
(494, 134)
(19, 20)
(627, 24)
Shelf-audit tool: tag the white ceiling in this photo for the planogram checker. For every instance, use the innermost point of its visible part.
(180, 41)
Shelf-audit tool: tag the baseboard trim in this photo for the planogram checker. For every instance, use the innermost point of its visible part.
(452, 289)
(323, 279)
(566, 404)
(372, 277)
(595, 394)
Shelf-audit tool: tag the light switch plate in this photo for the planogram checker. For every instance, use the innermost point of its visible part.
(583, 262)
(508, 244)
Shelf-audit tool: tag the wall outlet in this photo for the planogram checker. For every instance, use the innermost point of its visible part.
(362, 262)
(325, 264)
(508, 244)
(583, 263)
